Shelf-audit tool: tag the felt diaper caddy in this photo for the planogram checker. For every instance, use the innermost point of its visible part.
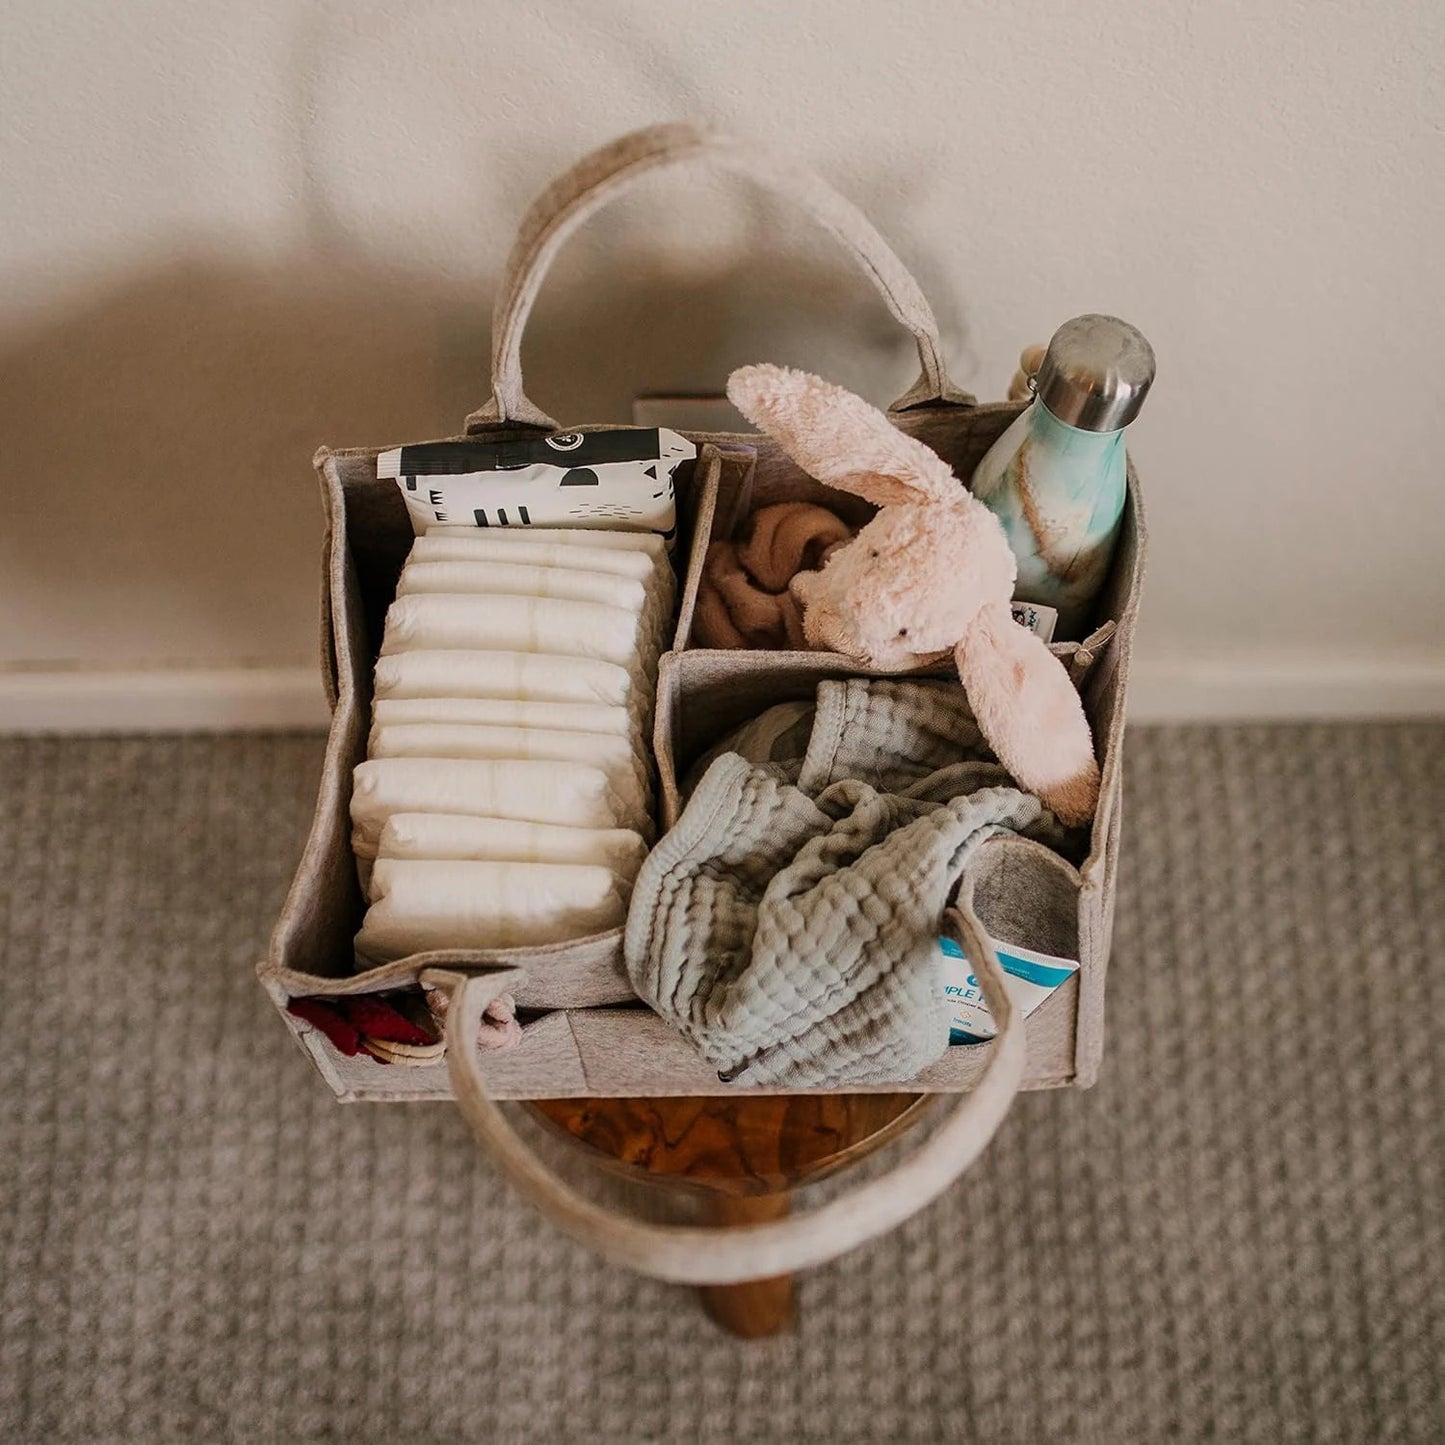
(585, 1032)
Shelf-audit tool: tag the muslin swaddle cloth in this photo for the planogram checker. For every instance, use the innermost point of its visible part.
(788, 925)
(418, 905)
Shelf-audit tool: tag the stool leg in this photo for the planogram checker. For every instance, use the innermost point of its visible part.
(760, 1306)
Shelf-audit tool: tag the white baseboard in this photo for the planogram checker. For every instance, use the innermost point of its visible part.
(1244, 688)
(1204, 690)
(161, 700)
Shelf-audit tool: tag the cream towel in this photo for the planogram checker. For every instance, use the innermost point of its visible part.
(509, 676)
(449, 904)
(442, 620)
(574, 795)
(499, 840)
(616, 756)
(618, 541)
(572, 717)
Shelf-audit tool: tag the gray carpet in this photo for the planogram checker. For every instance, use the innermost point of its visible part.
(1236, 1236)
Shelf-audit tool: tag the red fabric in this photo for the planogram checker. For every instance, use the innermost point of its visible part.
(320, 1014)
(377, 1019)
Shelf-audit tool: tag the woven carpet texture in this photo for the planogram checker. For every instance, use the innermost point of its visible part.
(1236, 1236)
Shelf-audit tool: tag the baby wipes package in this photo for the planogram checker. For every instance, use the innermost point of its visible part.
(621, 479)
(1029, 975)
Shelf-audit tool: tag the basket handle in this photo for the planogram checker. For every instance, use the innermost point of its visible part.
(614, 168)
(691, 1254)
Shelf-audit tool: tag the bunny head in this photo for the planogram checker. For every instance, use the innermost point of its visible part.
(906, 588)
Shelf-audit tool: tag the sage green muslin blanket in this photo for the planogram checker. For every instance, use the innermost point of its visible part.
(788, 925)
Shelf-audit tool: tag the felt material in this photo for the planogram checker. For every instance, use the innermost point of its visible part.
(593, 1050)
(615, 168)
(788, 925)
(571, 794)
(503, 712)
(416, 905)
(779, 735)
(501, 840)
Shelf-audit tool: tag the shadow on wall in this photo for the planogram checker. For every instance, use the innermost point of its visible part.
(158, 438)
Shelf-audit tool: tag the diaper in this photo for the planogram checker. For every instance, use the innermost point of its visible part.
(573, 795)
(451, 904)
(612, 541)
(572, 717)
(502, 840)
(511, 676)
(514, 579)
(468, 545)
(539, 625)
(616, 756)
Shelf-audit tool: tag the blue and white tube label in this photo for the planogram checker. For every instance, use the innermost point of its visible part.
(1029, 975)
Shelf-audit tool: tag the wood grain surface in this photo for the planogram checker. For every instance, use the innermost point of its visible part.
(746, 1154)
(759, 1145)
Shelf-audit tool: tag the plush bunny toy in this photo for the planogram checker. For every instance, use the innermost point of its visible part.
(931, 574)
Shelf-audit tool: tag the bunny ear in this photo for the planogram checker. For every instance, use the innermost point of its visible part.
(838, 438)
(1029, 712)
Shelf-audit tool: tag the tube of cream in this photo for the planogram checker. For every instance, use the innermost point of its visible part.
(1030, 976)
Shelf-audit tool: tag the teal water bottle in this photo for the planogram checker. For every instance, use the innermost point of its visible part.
(1056, 478)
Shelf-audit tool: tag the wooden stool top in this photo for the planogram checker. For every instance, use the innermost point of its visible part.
(746, 1154)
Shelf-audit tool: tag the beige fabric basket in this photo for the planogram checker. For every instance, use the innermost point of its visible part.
(586, 1032)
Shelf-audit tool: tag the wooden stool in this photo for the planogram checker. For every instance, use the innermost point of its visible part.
(745, 1155)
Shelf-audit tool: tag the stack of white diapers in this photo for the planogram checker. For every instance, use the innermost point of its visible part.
(506, 799)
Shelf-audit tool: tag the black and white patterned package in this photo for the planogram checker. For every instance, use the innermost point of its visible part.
(622, 480)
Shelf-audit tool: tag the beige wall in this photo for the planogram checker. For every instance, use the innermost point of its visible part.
(231, 232)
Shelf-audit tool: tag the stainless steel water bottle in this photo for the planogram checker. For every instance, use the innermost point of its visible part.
(1056, 478)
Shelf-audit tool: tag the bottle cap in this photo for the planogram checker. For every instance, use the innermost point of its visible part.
(1096, 373)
